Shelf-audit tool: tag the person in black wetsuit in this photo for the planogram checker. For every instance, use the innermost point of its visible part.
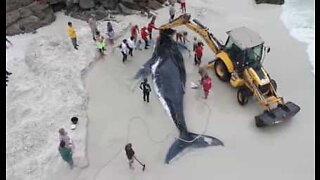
(145, 87)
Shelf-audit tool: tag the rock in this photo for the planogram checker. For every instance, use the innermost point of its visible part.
(153, 4)
(131, 4)
(15, 4)
(12, 17)
(279, 2)
(28, 18)
(162, 1)
(24, 12)
(125, 10)
(86, 4)
(109, 4)
(56, 1)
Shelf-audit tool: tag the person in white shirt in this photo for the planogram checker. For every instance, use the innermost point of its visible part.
(124, 50)
(131, 46)
(63, 136)
(172, 11)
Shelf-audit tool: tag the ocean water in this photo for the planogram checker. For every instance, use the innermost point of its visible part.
(299, 17)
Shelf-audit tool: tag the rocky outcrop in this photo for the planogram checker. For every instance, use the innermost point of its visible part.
(86, 4)
(27, 17)
(279, 2)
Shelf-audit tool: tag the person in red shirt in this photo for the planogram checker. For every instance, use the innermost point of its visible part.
(206, 85)
(144, 36)
(151, 26)
(199, 52)
(183, 6)
(134, 32)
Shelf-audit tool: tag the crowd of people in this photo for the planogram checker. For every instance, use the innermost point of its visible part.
(127, 47)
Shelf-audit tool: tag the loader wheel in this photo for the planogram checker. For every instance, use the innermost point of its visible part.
(243, 96)
(221, 70)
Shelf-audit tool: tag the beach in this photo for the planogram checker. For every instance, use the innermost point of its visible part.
(114, 113)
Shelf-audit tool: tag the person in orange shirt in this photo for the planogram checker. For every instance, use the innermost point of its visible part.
(73, 35)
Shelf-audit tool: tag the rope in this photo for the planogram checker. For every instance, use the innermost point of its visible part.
(135, 118)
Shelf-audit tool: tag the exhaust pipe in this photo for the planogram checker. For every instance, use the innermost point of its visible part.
(278, 115)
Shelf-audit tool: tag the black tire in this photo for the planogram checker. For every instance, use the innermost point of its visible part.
(221, 70)
(243, 96)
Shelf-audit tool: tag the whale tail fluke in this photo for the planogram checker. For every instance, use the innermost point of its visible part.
(190, 140)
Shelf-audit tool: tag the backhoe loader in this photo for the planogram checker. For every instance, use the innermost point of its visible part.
(239, 61)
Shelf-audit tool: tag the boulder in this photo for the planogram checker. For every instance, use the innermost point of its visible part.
(154, 5)
(12, 17)
(56, 1)
(86, 4)
(124, 10)
(279, 2)
(15, 4)
(131, 4)
(109, 4)
(28, 18)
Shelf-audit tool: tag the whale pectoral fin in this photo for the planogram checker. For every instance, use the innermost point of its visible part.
(191, 140)
(145, 70)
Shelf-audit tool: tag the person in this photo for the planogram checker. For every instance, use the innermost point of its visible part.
(63, 136)
(183, 6)
(206, 85)
(100, 43)
(144, 36)
(131, 45)
(199, 52)
(66, 153)
(172, 12)
(110, 33)
(151, 26)
(146, 89)
(130, 154)
(7, 76)
(134, 32)
(93, 26)
(195, 45)
(182, 37)
(73, 35)
(124, 50)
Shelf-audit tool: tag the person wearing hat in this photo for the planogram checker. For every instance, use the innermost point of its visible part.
(66, 153)
(146, 89)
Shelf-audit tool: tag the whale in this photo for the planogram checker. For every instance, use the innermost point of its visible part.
(166, 66)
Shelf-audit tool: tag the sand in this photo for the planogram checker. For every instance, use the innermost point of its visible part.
(117, 113)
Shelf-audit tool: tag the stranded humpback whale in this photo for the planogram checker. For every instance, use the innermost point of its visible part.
(169, 77)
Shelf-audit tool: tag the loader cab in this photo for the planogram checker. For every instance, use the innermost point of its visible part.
(245, 48)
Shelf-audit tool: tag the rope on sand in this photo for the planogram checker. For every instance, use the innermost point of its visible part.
(134, 118)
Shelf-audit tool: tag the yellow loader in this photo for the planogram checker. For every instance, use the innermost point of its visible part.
(239, 61)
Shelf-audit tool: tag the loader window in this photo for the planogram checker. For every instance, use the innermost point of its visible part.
(253, 55)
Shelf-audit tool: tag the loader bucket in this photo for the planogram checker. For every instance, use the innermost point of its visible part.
(277, 115)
